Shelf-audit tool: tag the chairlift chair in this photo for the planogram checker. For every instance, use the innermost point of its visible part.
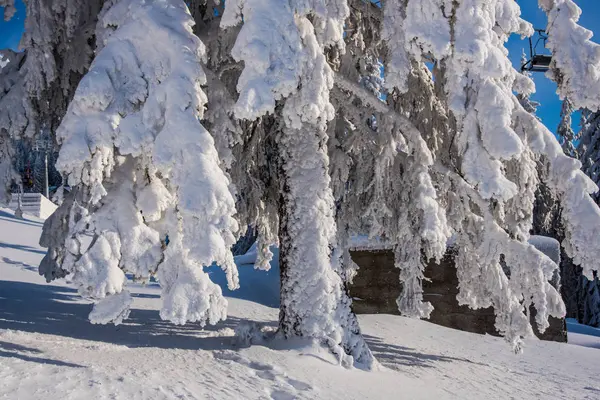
(537, 62)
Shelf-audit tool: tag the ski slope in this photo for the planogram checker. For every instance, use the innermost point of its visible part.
(49, 350)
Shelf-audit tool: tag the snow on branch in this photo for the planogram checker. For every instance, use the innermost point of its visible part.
(151, 190)
(284, 61)
(496, 270)
(263, 82)
(488, 177)
(580, 215)
(575, 62)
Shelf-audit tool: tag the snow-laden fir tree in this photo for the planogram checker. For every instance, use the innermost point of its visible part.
(399, 200)
(546, 212)
(287, 68)
(590, 301)
(456, 155)
(58, 45)
(586, 294)
(589, 149)
(565, 129)
(318, 149)
(576, 69)
(149, 197)
(448, 156)
(13, 117)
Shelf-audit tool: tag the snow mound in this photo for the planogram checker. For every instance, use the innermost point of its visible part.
(547, 245)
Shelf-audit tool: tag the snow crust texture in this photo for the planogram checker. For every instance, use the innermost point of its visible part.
(48, 347)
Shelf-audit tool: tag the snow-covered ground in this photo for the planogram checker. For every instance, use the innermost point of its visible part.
(49, 350)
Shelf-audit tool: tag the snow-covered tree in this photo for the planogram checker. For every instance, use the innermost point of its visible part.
(58, 45)
(437, 174)
(318, 146)
(590, 299)
(589, 149)
(585, 295)
(565, 130)
(575, 68)
(444, 157)
(575, 65)
(59, 39)
(147, 186)
(285, 67)
(13, 115)
(475, 146)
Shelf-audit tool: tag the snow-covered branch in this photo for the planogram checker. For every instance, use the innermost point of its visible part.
(151, 191)
(575, 58)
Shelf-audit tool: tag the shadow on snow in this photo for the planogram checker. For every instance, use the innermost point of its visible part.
(23, 265)
(54, 310)
(9, 216)
(394, 356)
(11, 350)
(22, 247)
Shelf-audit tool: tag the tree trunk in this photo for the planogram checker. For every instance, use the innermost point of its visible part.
(287, 320)
(308, 295)
(313, 299)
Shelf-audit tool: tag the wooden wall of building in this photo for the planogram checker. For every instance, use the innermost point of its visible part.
(376, 287)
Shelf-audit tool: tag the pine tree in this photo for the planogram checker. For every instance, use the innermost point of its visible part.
(568, 42)
(590, 299)
(565, 130)
(589, 149)
(150, 192)
(58, 46)
(585, 295)
(416, 162)
(317, 148)
(14, 117)
(300, 79)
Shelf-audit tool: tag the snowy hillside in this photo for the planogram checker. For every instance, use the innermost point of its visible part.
(49, 350)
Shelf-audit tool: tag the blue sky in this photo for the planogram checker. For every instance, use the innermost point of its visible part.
(549, 110)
